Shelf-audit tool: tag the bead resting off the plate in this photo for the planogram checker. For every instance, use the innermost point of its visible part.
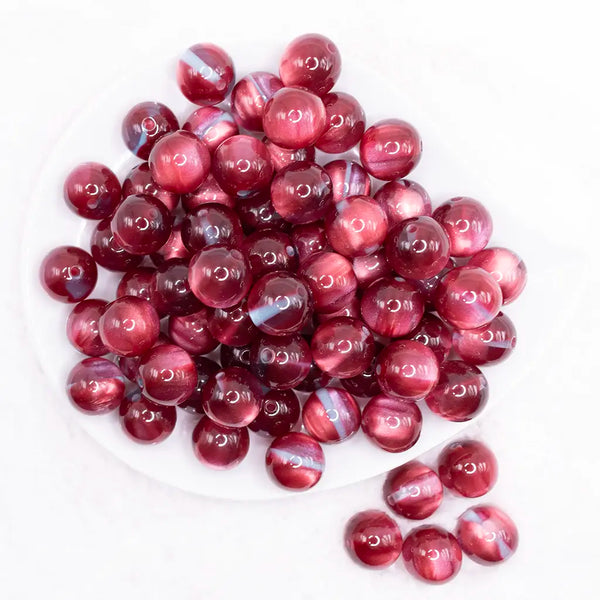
(249, 96)
(403, 199)
(139, 181)
(435, 334)
(279, 413)
(233, 326)
(331, 415)
(270, 250)
(345, 123)
(192, 332)
(144, 421)
(68, 274)
(220, 447)
(211, 125)
(348, 178)
(211, 224)
(96, 385)
(82, 327)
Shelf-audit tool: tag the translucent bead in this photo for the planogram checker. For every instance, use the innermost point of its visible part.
(345, 123)
(233, 326)
(82, 327)
(68, 274)
(220, 447)
(96, 385)
(211, 224)
(139, 181)
(269, 250)
(279, 413)
(144, 421)
(249, 96)
(211, 125)
(373, 539)
(348, 178)
(192, 332)
(92, 191)
(331, 415)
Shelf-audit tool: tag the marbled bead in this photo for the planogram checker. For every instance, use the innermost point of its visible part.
(170, 291)
(279, 413)
(345, 123)
(92, 191)
(365, 384)
(139, 181)
(370, 268)
(211, 224)
(82, 327)
(331, 415)
(96, 385)
(348, 178)
(218, 446)
(282, 157)
(173, 248)
(435, 334)
(209, 192)
(249, 96)
(144, 421)
(403, 199)
(211, 125)
(231, 356)
(233, 326)
(107, 251)
(309, 238)
(258, 213)
(192, 332)
(270, 250)
(68, 274)
(205, 369)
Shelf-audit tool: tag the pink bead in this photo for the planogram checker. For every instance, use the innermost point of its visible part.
(92, 191)
(220, 447)
(371, 268)
(233, 326)
(108, 253)
(179, 162)
(282, 157)
(331, 415)
(144, 421)
(82, 327)
(407, 370)
(231, 356)
(309, 239)
(139, 181)
(392, 424)
(373, 539)
(403, 199)
(487, 534)
(129, 326)
(232, 397)
(468, 468)
(432, 554)
(279, 414)
(417, 248)
(467, 223)
(170, 292)
(348, 178)
(219, 276)
(390, 149)
(331, 280)
(211, 224)
(269, 250)
(342, 347)
(205, 368)
(259, 213)
(365, 384)
(435, 334)
(96, 386)
(352, 309)
(68, 274)
(141, 224)
(506, 268)
(314, 380)
(392, 308)
(212, 126)
(192, 333)
(311, 61)
(249, 96)
(242, 166)
(296, 461)
(209, 192)
(345, 123)
(468, 297)
(205, 74)
(172, 249)
(294, 118)
(145, 124)
(414, 491)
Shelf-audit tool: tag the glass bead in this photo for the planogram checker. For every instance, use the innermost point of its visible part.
(279, 414)
(211, 224)
(233, 326)
(205, 369)
(231, 356)
(82, 327)
(345, 123)
(212, 126)
(373, 539)
(209, 192)
(96, 386)
(192, 332)
(68, 274)
(136, 283)
(259, 213)
(130, 365)
(107, 251)
(314, 380)
(144, 421)
(348, 179)
(282, 157)
(269, 250)
(220, 447)
(352, 309)
(170, 291)
(365, 384)
(435, 334)
(370, 268)
(427, 287)
(139, 181)
(403, 199)
(331, 415)
(172, 249)
(249, 96)
(309, 239)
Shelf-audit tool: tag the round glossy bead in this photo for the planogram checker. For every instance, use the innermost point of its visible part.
(435, 334)
(231, 356)
(403, 199)
(282, 157)
(192, 332)
(311, 61)
(373, 538)
(390, 149)
(68, 274)
(233, 326)
(296, 461)
(205, 74)
(179, 162)
(249, 96)
(432, 554)
(392, 424)
(242, 166)
(209, 192)
(468, 468)
(487, 534)
(371, 268)
(269, 250)
(407, 369)
(92, 191)
(145, 124)
(279, 413)
(170, 292)
(218, 446)
(82, 327)
(467, 223)
(108, 253)
(232, 397)
(130, 365)
(309, 239)
(281, 362)
(96, 385)
(205, 369)
(211, 125)
(345, 123)
(172, 249)
(429, 286)
(259, 213)
(392, 308)
(506, 268)
(294, 118)
(139, 181)
(314, 380)
(219, 276)
(352, 309)
(144, 421)
(468, 297)
(129, 326)
(417, 248)
(331, 415)
(331, 280)
(141, 224)
(348, 178)
(211, 224)
(365, 384)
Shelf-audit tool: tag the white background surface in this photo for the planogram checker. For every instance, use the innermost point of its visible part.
(514, 87)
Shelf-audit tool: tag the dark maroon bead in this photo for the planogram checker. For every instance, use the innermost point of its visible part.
(282, 157)
(170, 291)
(68, 274)
(191, 332)
(211, 125)
(331, 415)
(259, 213)
(429, 286)
(370, 268)
(270, 250)
(249, 96)
(139, 181)
(108, 253)
(220, 447)
(365, 384)
(144, 421)
(96, 385)
(403, 199)
(209, 192)
(314, 380)
(211, 224)
(136, 283)
(233, 326)
(348, 179)
(82, 327)
(231, 356)
(435, 334)
(92, 191)
(205, 369)
(279, 414)
(173, 248)
(345, 123)
(309, 239)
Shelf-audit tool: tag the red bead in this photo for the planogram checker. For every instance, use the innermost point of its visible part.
(242, 166)
(233, 326)
(211, 125)
(311, 61)
(414, 491)
(294, 118)
(373, 538)
(429, 286)
(141, 224)
(435, 334)
(139, 181)
(82, 327)
(432, 554)
(468, 468)
(205, 368)
(468, 297)
(407, 370)
(231, 356)
(130, 365)
(345, 123)
(348, 178)
(282, 157)
(417, 248)
(108, 253)
(218, 446)
(211, 224)
(487, 534)
(129, 326)
(259, 213)
(232, 397)
(331, 415)
(136, 283)
(96, 385)
(172, 249)
(179, 162)
(249, 96)
(92, 191)
(144, 421)
(278, 414)
(390, 149)
(506, 268)
(392, 308)
(314, 380)
(309, 239)
(219, 276)
(371, 268)
(365, 384)
(209, 192)
(281, 362)
(269, 250)
(392, 424)
(296, 461)
(403, 199)
(352, 309)
(145, 124)
(192, 333)
(205, 74)
(68, 274)
(170, 292)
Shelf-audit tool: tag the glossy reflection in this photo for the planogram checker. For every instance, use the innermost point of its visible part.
(310, 238)
(258, 213)
(348, 178)
(435, 334)
(345, 123)
(373, 539)
(92, 191)
(220, 447)
(249, 96)
(170, 291)
(96, 385)
(173, 248)
(331, 415)
(270, 250)
(82, 327)
(192, 332)
(145, 422)
(205, 369)
(211, 224)
(403, 199)
(282, 157)
(233, 326)
(209, 192)
(365, 384)
(279, 413)
(107, 251)
(68, 274)
(211, 125)
(139, 181)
